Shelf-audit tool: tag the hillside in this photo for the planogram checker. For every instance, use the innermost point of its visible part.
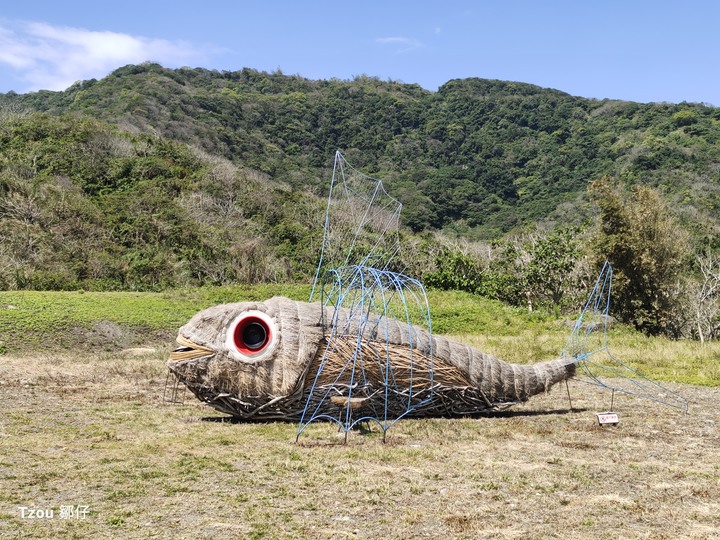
(152, 178)
(480, 156)
(85, 205)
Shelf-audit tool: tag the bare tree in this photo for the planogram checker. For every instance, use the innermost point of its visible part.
(705, 296)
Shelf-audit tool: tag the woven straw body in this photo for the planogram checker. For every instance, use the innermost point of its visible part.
(276, 382)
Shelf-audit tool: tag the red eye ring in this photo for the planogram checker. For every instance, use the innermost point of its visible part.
(252, 335)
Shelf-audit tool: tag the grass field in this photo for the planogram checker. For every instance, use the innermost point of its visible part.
(85, 434)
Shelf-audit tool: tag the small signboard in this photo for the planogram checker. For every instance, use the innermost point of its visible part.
(608, 418)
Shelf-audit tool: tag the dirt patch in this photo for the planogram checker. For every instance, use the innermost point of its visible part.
(109, 336)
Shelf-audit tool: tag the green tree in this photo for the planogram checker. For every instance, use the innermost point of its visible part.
(541, 269)
(455, 271)
(647, 248)
(550, 270)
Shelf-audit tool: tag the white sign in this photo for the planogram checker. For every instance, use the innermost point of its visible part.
(606, 418)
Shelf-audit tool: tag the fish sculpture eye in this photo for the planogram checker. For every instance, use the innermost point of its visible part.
(252, 335)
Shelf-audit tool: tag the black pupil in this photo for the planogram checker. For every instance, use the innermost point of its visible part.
(254, 336)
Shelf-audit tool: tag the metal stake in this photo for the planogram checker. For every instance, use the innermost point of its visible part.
(567, 387)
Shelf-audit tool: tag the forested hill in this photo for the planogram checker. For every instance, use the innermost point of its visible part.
(153, 177)
(481, 155)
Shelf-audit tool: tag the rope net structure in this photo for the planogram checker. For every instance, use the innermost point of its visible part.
(596, 364)
(361, 376)
(373, 357)
(361, 372)
(361, 296)
(362, 223)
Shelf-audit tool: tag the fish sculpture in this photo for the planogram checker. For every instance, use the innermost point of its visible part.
(268, 360)
(357, 355)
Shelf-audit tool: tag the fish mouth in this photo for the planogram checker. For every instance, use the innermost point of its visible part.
(189, 350)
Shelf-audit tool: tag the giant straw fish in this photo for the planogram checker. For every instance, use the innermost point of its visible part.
(257, 360)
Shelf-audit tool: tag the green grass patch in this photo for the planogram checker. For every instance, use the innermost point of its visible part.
(97, 321)
(58, 319)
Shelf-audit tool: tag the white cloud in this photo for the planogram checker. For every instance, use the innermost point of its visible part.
(54, 57)
(402, 44)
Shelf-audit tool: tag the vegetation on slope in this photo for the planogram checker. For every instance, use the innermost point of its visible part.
(83, 205)
(154, 178)
(479, 156)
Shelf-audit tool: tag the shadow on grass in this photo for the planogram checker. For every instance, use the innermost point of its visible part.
(479, 414)
(514, 413)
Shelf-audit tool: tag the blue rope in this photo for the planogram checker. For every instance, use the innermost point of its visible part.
(379, 215)
(584, 336)
(326, 224)
(363, 300)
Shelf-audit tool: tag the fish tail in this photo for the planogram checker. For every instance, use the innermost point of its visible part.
(521, 382)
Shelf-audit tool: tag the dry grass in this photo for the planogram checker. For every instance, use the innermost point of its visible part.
(93, 431)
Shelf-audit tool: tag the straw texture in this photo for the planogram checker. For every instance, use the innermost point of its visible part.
(275, 384)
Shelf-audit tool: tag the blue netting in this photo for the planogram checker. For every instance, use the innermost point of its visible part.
(361, 223)
(368, 382)
(358, 379)
(588, 346)
(361, 376)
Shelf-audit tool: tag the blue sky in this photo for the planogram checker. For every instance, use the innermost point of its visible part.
(636, 50)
